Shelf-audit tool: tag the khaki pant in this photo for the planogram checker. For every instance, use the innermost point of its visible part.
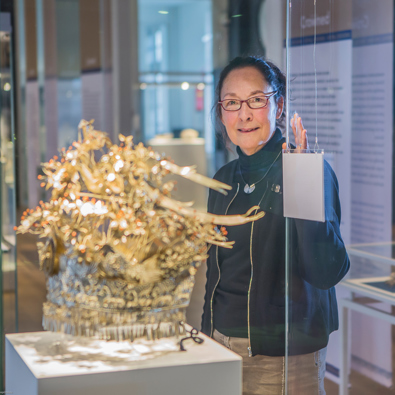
(265, 375)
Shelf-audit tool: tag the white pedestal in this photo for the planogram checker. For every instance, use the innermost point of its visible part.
(45, 363)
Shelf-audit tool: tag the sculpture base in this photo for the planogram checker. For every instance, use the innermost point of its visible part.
(44, 363)
(114, 325)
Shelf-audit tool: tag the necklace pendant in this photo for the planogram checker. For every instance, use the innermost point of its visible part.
(249, 188)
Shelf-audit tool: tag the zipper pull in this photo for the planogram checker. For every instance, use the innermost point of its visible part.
(249, 351)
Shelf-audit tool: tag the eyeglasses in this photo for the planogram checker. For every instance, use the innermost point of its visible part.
(252, 102)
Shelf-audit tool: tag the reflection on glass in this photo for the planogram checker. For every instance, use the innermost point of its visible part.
(8, 241)
(341, 69)
(175, 64)
(8, 275)
(245, 293)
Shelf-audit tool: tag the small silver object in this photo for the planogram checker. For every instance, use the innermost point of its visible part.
(276, 188)
(249, 188)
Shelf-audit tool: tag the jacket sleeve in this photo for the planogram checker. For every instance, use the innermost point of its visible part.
(320, 250)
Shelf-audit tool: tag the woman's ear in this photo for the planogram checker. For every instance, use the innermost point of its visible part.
(280, 107)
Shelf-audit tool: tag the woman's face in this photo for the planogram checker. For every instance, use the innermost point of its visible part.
(248, 128)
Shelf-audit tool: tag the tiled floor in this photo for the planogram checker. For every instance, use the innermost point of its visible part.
(31, 295)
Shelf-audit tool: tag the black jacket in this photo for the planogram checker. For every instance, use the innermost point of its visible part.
(318, 262)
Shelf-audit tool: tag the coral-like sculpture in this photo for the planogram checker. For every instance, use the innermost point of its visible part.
(119, 253)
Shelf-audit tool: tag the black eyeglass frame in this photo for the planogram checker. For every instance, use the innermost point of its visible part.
(266, 95)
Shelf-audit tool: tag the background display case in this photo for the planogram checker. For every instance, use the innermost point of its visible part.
(8, 263)
(372, 296)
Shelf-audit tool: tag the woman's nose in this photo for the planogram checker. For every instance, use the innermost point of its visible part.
(245, 112)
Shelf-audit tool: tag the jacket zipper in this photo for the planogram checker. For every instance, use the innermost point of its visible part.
(249, 293)
(219, 272)
(252, 274)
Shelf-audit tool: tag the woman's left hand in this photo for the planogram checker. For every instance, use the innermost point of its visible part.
(300, 134)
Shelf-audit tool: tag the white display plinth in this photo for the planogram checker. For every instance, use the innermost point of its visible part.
(45, 363)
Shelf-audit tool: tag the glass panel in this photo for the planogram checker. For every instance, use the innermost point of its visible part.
(176, 82)
(149, 68)
(135, 67)
(176, 89)
(7, 176)
(8, 283)
(340, 73)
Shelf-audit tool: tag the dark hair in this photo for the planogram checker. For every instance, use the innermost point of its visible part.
(273, 75)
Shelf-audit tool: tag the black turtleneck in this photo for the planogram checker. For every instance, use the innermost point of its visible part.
(231, 296)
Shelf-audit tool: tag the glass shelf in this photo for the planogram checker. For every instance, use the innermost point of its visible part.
(380, 252)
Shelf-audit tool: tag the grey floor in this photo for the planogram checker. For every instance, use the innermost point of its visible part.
(31, 295)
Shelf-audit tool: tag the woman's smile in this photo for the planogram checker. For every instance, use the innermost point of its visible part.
(247, 130)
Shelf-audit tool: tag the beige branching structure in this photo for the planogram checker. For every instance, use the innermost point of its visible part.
(119, 253)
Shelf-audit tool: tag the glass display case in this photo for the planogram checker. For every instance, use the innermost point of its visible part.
(340, 72)
(149, 68)
(368, 311)
(372, 269)
(176, 78)
(7, 163)
(8, 272)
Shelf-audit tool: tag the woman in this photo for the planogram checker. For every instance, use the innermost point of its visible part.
(244, 303)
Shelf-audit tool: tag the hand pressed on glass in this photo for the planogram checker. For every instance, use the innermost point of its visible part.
(300, 134)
